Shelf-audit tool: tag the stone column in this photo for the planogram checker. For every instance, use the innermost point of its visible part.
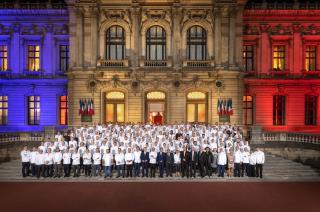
(15, 49)
(224, 33)
(94, 37)
(87, 36)
(232, 37)
(217, 36)
(79, 39)
(238, 35)
(135, 44)
(297, 50)
(47, 61)
(265, 49)
(176, 35)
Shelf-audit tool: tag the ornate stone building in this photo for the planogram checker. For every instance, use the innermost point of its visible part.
(79, 62)
(141, 59)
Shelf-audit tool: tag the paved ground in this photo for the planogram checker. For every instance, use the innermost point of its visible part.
(153, 197)
(275, 169)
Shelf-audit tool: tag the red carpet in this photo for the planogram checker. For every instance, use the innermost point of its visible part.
(237, 196)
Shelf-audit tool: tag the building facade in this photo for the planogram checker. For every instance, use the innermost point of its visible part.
(80, 62)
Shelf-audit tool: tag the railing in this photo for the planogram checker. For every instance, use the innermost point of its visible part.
(16, 137)
(155, 63)
(31, 75)
(198, 63)
(292, 137)
(113, 63)
(278, 5)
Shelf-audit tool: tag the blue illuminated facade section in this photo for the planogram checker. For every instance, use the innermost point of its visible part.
(47, 29)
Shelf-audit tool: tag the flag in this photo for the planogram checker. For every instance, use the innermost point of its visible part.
(80, 107)
(230, 107)
(92, 107)
(85, 108)
(218, 107)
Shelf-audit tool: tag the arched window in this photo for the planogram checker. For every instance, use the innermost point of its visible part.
(196, 43)
(115, 107)
(197, 107)
(115, 41)
(156, 43)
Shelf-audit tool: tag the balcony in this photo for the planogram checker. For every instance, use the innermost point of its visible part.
(314, 73)
(29, 73)
(113, 63)
(278, 72)
(155, 63)
(198, 63)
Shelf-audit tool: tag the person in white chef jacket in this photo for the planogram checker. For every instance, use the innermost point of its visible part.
(96, 157)
(87, 160)
(222, 161)
(260, 159)
(76, 163)
(153, 162)
(33, 156)
(137, 161)
(129, 157)
(66, 158)
(120, 161)
(25, 159)
(48, 159)
(57, 160)
(40, 164)
(108, 161)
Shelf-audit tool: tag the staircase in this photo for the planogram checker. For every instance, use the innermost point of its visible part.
(275, 169)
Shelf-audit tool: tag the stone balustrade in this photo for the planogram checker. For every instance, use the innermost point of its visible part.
(113, 63)
(19, 137)
(292, 137)
(198, 63)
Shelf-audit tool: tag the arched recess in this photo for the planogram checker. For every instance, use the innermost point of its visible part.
(102, 36)
(210, 37)
(155, 107)
(197, 107)
(165, 26)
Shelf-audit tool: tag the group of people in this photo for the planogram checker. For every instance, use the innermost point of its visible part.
(186, 150)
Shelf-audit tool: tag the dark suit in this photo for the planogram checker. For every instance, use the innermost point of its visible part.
(161, 160)
(194, 160)
(169, 164)
(145, 163)
(205, 161)
(185, 162)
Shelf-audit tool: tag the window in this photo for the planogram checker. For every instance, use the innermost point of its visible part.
(33, 58)
(197, 107)
(156, 43)
(33, 110)
(63, 108)
(311, 106)
(279, 55)
(311, 58)
(115, 107)
(247, 107)
(3, 58)
(115, 37)
(196, 43)
(279, 112)
(63, 58)
(3, 110)
(248, 57)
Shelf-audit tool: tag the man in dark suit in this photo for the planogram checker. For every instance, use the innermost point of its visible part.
(194, 160)
(169, 163)
(145, 162)
(185, 161)
(161, 157)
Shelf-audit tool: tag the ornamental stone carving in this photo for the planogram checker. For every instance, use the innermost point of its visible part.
(197, 15)
(115, 15)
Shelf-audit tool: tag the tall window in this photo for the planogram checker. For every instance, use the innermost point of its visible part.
(279, 110)
(3, 58)
(33, 58)
(196, 43)
(311, 58)
(115, 43)
(248, 57)
(115, 107)
(247, 106)
(63, 108)
(33, 110)
(197, 107)
(3, 110)
(156, 43)
(279, 58)
(311, 110)
(63, 58)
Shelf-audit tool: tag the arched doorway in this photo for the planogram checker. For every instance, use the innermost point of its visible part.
(155, 107)
(115, 107)
(197, 107)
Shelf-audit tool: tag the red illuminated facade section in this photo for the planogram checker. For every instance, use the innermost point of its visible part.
(281, 55)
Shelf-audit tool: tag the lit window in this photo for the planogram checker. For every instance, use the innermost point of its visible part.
(279, 110)
(115, 40)
(34, 110)
(311, 58)
(64, 58)
(115, 107)
(279, 55)
(197, 107)
(63, 110)
(247, 107)
(3, 110)
(248, 57)
(33, 58)
(196, 43)
(156, 95)
(156, 43)
(3, 58)
(311, 109)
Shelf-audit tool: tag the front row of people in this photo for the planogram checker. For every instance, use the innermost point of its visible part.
(185, 163)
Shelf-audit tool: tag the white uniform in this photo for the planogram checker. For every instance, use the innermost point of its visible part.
(66, 158)
(33, 156)
(129, 157)
(222, 158)
(48, 158)
(57, 157)
(40, 159)
(237, 157)
(87, 158)
(119, 159)
(96, 158)
(25, 156)
(260, 157)
(153, 157)
(75, 159)
(108, 157)
(177, 159)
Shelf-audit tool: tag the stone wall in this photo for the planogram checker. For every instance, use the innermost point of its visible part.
(11, 150)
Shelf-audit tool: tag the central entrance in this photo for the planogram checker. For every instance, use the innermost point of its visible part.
(155, 107)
